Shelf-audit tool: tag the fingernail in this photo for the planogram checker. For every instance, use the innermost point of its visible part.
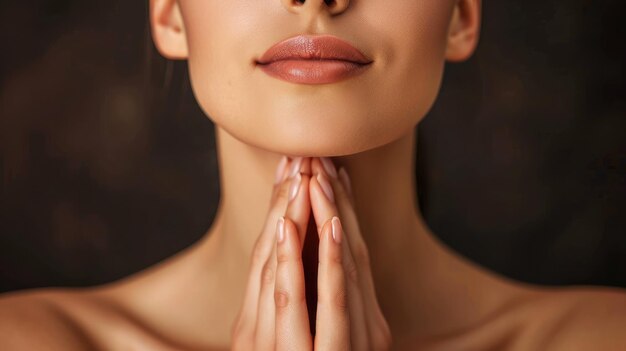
(280, 169)
(295, 186)
(336, 229)
(281, 229)
(343, 175)
(329, 166)
(295, 166)
(328, 190)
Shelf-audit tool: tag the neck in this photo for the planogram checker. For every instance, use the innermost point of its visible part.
(417, 280)
(382, 181)
(384, 189)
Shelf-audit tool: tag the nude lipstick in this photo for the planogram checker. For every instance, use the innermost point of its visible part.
(313, 59)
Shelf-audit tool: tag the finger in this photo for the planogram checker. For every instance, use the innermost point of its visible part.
(299, 205)
(333, 319)
(341, 203)
(264, 331)
(246, 321)
(281, 197)
(266, 310)
(376, 323)
(346, 182)
(331, 171)
(278, 205)
(292, 319)
(323, 210)
(322, 196)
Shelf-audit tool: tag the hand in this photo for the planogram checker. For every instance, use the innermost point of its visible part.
(274, 313)
(333, 208)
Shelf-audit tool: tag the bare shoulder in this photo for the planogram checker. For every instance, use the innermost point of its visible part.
(584, 319)
(72, 319)
(39, 319)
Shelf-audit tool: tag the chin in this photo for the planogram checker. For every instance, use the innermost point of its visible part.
(316, 139)
(319, 121)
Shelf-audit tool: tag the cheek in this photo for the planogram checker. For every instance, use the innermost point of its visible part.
(219, 57)
(406, 39)
(414, 61)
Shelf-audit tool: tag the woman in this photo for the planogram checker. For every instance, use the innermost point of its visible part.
(318, 242)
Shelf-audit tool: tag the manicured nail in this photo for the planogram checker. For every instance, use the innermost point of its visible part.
(295, 167)
(343, 175)
(281, 229)
(329, 166)
(295, 186)
(336, 228)
(280, 169)
(328, 190)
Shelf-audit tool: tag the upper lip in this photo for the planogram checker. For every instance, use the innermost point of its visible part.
(318, 47)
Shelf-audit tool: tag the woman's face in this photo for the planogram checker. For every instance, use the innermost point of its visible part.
(408, 41)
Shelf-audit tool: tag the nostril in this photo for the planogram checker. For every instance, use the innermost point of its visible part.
(327, 2)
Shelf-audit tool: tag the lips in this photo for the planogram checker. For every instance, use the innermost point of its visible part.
(304, 47)
(315, 59)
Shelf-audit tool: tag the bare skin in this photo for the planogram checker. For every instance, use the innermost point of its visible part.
(430, 298)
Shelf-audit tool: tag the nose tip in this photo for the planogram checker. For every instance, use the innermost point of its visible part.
(332, 6)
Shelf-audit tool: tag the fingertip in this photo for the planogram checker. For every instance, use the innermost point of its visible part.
(291, 231)
(280, 229)
(329, 167)
(327, 188)
(324, 187)
(311, 181)
(295, 166)
(281, 170)
(327, 242)
(345, 180)
(316, 164)
(322, 198)
(280, 191)
(294, 187)
(317, 193)
(306, 166)
(337, 229)
(327, 230)
(305, 183)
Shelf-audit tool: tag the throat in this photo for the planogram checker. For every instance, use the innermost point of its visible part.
(310, 259)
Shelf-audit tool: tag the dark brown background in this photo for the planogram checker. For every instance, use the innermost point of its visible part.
(109, 166)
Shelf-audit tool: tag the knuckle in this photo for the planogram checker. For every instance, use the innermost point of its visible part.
(267, 274)
(340, 300)
(283, 257)
(352, 273)
(257, 253)
(281, 298)
(337, 259)
(281, 193)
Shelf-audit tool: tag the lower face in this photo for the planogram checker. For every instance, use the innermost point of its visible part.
(406, 39)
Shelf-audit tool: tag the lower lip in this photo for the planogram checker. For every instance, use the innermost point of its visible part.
(313, 71)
